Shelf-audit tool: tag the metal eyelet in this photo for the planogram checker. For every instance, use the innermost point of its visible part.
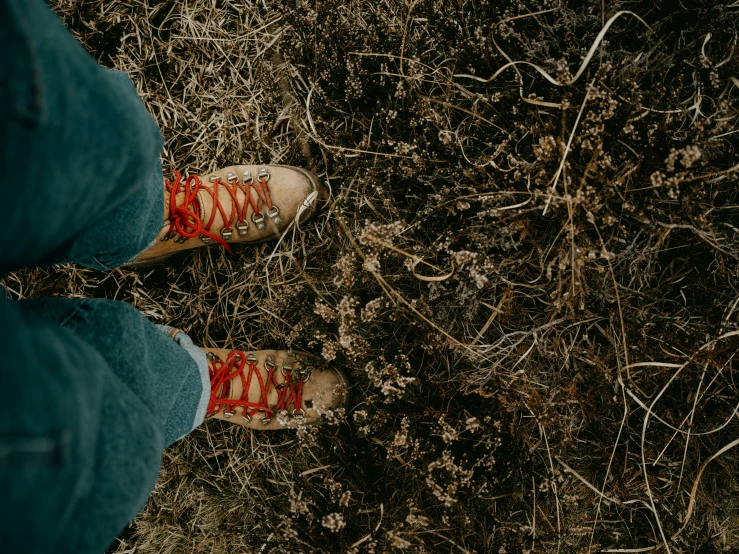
(212, 356)
(180, 239)
(247, 177)
(263, 174)
(165, 238)
(266, 420)
(242, 227)
(299, 413)
(283, 412)
(287, 365)
(231, 176)
(269, 364)
(226, 233)
(227, 414)
(246, 418)
(206, 239)
(274, 214)
(251, 357)
(213, 178)
(258, 221)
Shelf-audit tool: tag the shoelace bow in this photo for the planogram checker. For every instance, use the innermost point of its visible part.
(222, 372)
(186, 219)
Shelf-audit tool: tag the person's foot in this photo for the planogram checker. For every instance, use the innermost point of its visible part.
(236, 204)
(273, 389)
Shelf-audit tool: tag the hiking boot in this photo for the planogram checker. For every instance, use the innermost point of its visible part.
(236, 204)
(272, 389)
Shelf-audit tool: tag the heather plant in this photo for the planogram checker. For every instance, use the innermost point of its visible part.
(528, 268)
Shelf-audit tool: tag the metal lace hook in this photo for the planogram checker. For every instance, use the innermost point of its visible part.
(274, 214)
(242, 227)
(258, 221)
(287, 364)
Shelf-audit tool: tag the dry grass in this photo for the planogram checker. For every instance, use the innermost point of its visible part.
(531, 279)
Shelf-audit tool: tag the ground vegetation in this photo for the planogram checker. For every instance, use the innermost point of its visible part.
(528, 269)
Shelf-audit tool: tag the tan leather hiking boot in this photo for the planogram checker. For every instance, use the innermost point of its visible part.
(236, 204)
(272, 389)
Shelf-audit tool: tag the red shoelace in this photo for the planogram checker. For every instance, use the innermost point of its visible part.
(243, 366)
(187, 221)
